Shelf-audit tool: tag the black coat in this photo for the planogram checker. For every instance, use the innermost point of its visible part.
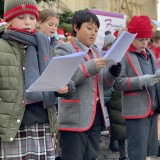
(117, 123)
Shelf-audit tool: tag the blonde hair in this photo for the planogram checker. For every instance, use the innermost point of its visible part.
(8, 25)
(120, 31)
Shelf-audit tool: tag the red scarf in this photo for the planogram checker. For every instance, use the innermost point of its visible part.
(156, 51)
(133, 49)
(22, 30)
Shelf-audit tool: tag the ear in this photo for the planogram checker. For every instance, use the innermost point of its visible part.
(39, 22)
(75, 28)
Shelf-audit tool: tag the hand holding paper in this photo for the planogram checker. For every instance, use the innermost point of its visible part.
(115, 69)
(100, 62)
(63, 90)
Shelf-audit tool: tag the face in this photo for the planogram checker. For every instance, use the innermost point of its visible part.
(50, 26)
(140, 43)
(87, 33)
(24, 21)
(156, 43)
(60, 40)
(107, 47)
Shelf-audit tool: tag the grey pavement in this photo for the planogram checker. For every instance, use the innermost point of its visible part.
(106, 154)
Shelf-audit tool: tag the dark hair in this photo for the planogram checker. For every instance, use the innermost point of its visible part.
(107, 32)
(83, 16)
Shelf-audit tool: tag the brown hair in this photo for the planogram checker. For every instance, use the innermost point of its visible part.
(45, 14)
(156, 36)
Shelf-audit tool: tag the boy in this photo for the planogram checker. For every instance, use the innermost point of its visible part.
(138, 80)
(81, 118)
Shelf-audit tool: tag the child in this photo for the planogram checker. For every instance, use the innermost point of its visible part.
(68, 36)
(141, 96)
(109, 39)
(81, 118)
(155, 47)
(48, 24)
(61, 37)
(27, 124)
(155, 44)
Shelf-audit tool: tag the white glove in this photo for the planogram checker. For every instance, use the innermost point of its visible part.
(149, 80)
(157, 73)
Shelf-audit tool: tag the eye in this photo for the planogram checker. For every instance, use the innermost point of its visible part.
(33, 18)
(147, 39)
(20, 17)
(96, 30)
(89, 28)
(155, 41)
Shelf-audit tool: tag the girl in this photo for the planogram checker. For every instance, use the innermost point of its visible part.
(48, 24)
(29, 117)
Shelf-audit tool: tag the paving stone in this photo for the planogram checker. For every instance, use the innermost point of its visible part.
(105, 153)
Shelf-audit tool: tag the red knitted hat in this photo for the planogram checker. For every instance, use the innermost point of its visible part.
(13, 8)
(116, 34)
(141, 25)
(60, 32)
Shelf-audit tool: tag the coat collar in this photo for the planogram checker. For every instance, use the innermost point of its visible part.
(134, 63)
(81, 47)
(133, 49)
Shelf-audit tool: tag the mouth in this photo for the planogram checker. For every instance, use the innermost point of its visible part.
(92, 39)
(51, 33)
(27, 29)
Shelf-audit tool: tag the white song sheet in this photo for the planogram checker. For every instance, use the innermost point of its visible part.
(58, 73)
(119, 47)
(156, 23)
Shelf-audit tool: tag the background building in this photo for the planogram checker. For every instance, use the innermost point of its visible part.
(128, 7)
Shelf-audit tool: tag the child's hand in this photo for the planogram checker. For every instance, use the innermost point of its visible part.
(67, 91)
(100, 62)
(115, 69)
(157, 73)
(63, 90)
(148, 80)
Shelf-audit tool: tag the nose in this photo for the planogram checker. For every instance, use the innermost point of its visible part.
(54, 27)
(27, 21)
(145, 41)
(93, 33)
(158, 43)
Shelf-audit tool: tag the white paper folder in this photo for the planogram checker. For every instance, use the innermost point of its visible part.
(58, 73)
